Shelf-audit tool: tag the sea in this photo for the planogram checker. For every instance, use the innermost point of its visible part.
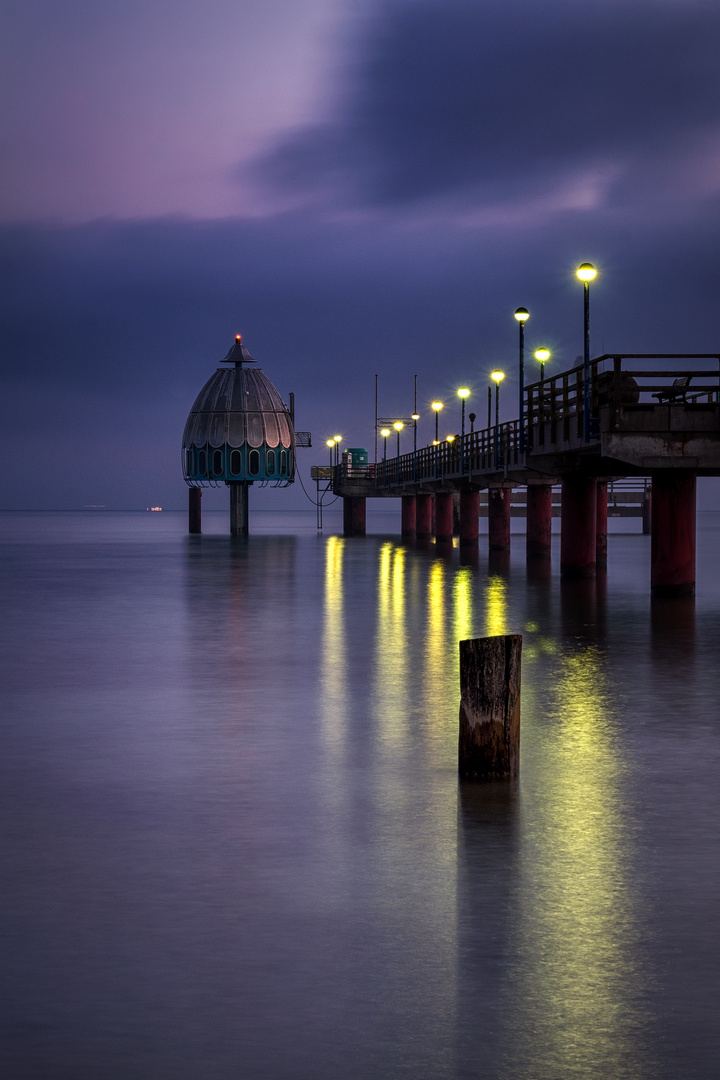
(234, 841)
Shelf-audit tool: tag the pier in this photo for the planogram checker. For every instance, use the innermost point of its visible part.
(632, 415)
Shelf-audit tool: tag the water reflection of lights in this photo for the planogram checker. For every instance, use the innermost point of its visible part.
(333, 699)
(391, 657)
(496, 615)
(463, 604)
(574, 968)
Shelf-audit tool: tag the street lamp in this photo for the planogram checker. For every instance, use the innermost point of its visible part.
(385, 432)
(522, 315)
(337, 439)
(415, 417)
(497, 377)
(331, 444)
(586, 272)
(437, 406)
(463, 394)
(541, 355)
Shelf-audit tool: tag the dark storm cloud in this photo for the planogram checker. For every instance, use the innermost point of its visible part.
(501, 101)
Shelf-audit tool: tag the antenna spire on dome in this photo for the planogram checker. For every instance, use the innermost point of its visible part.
(238, 354)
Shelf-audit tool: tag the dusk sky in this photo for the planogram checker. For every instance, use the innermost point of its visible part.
(358, 189)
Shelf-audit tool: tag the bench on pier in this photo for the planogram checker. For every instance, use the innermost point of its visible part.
(676, 392)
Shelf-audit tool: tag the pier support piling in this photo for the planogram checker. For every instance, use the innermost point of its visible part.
(489, 738)
(538, 520)
(673, 533)
(238, 509)
(194, 510)
(354, 515)
(499, 518)
(469, 517)
(444, 515)
(423, 516)
(409, 515)
(578, 525)
(601, 515)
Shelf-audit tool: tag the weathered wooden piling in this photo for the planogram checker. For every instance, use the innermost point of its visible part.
(489, 740)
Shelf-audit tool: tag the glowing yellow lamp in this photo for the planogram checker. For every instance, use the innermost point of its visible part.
(542, 355)
(586, 272)
(437, 406)
(385, 432)
(497, 376)
(522, 314)
(398, 425)
(463, 392)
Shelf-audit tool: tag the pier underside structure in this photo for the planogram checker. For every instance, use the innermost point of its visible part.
(654, 420)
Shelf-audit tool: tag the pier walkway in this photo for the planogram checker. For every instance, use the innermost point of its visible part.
(645, 415)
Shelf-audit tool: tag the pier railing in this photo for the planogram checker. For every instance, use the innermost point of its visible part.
(487, 450)
(620, 384)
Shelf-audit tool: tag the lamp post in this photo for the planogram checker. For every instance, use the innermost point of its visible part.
(436, 406)
(497, 377)
(415, 417)
(337, 439)
(522, 315)
(398, 425)
(463, 394)
(385, 432)
(586, 272)
(331, 444)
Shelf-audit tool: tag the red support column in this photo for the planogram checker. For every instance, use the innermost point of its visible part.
(672, 540)
(194, 510)
(539, 520)
(469, 517)
(499, 518)
(578, 526)
(423, 516)
(409, 515)
(354, 515)
(444, 515)
(601, 524)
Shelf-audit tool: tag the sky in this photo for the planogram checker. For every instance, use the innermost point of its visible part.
(359, 189)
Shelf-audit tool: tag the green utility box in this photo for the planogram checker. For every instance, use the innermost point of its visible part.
(356, 458)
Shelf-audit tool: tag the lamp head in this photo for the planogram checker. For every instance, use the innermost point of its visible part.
(398, 425)
(385, 432)
(542, 355)
(463, 392)
(437, 406)
(450, 438)
(522, 314)
(415, 416)
(586, 272)
(497, 376)
(330, 442)
(337, 438)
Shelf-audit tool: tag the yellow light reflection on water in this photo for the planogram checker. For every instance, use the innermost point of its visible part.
(333, 673)
(436, 666)
(574, 1015)
(463, 606)
(496, 614)
(391, 646)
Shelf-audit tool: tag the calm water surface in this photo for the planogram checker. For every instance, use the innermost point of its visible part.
(234, 841)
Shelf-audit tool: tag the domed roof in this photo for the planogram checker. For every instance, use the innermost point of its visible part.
(239, 407)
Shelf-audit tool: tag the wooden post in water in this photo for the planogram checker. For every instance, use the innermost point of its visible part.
(489, 741)
(194, 510)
